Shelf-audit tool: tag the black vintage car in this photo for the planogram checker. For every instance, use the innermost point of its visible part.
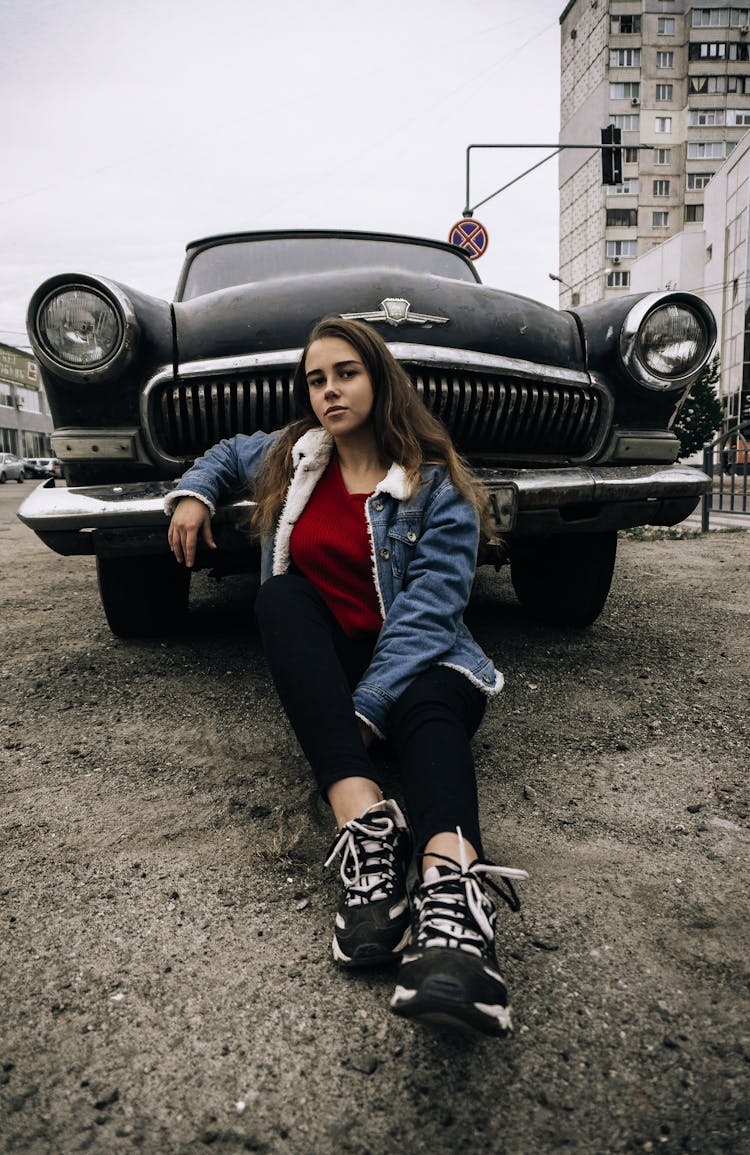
(567, 416)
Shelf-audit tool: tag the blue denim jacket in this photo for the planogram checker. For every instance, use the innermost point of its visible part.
(424, 548)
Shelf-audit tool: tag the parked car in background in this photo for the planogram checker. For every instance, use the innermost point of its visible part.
(566, 416)
(43, 467)
(12, 468)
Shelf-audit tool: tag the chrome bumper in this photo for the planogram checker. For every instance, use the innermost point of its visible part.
(58, 509)
(611, 496)
(524, 501)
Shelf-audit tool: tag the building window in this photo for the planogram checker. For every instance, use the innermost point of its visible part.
(661, 188)
(697, 180)
(618, 279)
(622, 218)
(711, 50)
(628, 188)
(6, 396)
(630, 156)
(740, 17)
(627, 91)
(27, 399)
(660, 220)
(665, 92)
(624, 58)
(738, 116)
(710, 18)
(705, 116)
(709, 85)
(662, 156)
(665, 59)
(705, 150)
(627, 123)
(739, 50)
(663, 124)
(625, 25)
(621, 248)
(738, 84)
(693, 214)
(665, 26)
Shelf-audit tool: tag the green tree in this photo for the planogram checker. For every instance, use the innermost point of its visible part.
(701, 414)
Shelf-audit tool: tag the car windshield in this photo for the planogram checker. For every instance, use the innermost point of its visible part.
(242, 262)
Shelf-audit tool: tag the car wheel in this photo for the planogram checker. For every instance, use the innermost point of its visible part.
(143, 597)
(21, 477)
(564, 580)
(2, 479)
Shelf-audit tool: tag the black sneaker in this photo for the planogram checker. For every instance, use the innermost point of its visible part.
(450, 976)
(373, 923)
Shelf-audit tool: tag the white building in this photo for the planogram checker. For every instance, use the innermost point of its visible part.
(714, 262)
(675, 78)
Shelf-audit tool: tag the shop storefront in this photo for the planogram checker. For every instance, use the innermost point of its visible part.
(25, 422)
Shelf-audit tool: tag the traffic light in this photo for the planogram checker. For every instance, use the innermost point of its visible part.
(611, 157)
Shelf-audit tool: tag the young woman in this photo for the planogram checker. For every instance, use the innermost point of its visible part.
(369, 524)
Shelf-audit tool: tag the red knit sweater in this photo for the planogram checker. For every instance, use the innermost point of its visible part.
(330, 546)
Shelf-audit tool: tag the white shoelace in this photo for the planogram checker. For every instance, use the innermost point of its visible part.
(453, 909)
(367, 865)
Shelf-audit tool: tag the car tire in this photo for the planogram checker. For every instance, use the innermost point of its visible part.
(2, 479)
(21, 477)
(564, 580)
(143, 597)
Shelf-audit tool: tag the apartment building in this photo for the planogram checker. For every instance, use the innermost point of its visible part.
(674, 77)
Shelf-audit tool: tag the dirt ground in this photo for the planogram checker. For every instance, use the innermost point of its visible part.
(167, 985)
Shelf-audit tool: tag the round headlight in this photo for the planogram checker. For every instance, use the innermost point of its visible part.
(79, 327)
(672, 341)
(666, 339)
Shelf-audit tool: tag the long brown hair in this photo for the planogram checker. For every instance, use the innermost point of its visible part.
(407, 433)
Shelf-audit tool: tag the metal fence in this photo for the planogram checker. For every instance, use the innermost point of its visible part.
(727, 462)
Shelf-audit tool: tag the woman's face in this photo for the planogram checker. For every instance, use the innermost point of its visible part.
(341, 391)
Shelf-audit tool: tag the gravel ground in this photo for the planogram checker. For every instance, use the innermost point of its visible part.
(167, 985)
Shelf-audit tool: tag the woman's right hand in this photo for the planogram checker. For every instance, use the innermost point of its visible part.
(190, 520)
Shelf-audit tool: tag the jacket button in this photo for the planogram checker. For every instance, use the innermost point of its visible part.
(377, 505)
(385, 554)
(486, 678)
(411, 535)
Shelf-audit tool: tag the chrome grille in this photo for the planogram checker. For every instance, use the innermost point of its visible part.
(190, 416)
(487, 414)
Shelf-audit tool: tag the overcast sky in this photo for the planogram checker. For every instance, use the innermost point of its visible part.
(129, 128)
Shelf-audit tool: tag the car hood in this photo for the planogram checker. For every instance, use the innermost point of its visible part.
(278, 315)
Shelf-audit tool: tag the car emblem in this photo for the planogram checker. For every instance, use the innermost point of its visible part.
(396, 311)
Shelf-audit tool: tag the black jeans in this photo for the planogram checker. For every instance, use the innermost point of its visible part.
(315, 667)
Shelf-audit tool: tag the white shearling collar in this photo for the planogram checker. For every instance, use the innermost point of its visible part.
(315, 448)
(395, 483)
